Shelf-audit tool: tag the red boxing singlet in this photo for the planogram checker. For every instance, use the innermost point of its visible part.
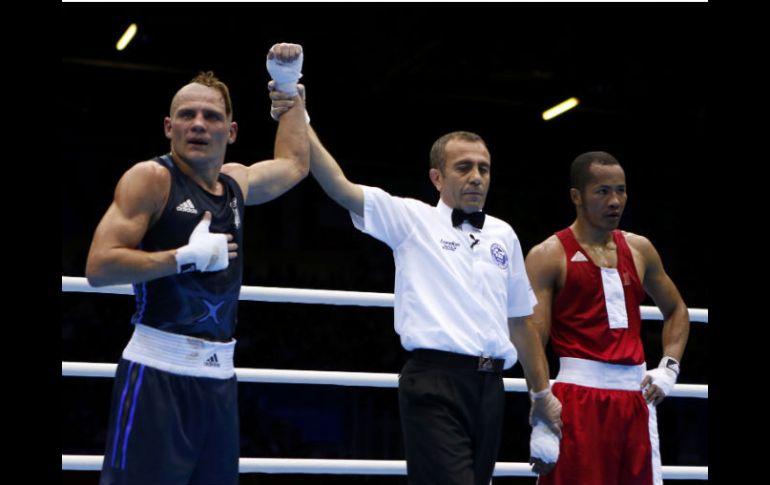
(580, 323)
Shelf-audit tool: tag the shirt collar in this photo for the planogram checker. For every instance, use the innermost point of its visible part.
(444, 210)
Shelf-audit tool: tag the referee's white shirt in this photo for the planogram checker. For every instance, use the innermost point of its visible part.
(448, 295)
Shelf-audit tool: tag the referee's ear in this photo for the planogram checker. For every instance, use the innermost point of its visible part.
(436, 178)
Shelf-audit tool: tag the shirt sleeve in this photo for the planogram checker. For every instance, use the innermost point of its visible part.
(521, 297)
(386, 217)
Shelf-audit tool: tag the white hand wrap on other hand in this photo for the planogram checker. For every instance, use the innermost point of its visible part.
(664, 376)
(286, 74)
(543, 443)
(204, 252)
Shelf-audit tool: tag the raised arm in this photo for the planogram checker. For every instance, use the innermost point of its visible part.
(324, 167)
(329, 175)
(264, 181)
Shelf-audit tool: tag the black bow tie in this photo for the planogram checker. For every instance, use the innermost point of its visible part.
(476, 219)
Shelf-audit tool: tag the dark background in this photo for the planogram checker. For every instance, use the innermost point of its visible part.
(384, 81)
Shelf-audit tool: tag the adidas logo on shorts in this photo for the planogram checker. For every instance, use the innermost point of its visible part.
(212, 361)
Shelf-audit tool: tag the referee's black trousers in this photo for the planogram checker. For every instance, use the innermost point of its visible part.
(451, 418)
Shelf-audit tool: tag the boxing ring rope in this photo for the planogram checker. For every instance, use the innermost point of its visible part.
(362, 467)
(332, 378)
(360, 379)
(323, 297)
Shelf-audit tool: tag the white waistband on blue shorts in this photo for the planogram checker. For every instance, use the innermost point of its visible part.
(180, 354)
(600, 375)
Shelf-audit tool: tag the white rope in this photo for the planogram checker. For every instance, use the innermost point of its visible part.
(696, 314)
(81, 462)
(357, 379)
(258, 293)
(364, 467)
(328, 297)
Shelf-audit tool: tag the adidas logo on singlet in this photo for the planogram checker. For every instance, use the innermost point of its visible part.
(187, 206)
(212, 361)
(578, 256)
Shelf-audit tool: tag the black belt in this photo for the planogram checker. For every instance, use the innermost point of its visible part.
(459, 361)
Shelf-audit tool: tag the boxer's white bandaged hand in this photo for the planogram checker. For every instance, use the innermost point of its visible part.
(663, 377)
(543, 448)
(284, 70)
(205, 251)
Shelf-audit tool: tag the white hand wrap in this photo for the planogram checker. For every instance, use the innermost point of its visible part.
(286, 74)
(545, 407)
(543, 443)
(204, 252)
(664, 376)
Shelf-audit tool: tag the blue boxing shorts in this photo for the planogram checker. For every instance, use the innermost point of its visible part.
(168, 424)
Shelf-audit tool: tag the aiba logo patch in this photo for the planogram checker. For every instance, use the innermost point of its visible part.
(499, 255)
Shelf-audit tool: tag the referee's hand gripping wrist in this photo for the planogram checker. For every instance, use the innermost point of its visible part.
(545, 408)
(205, 251)
(282, 102)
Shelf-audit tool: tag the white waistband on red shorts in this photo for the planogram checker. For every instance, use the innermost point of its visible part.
(600, 375)
(180, 354)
